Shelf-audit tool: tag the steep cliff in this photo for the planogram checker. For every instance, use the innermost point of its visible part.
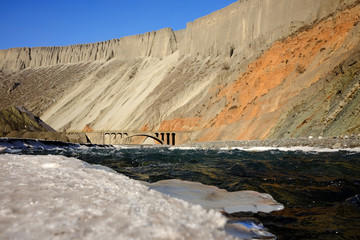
(153, 44)
(243, 26)
(253, 70)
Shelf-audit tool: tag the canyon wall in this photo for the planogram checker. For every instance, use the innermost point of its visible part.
(253, 70)
(153, 44)
(244, 25)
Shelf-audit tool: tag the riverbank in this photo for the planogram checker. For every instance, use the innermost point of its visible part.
(330, 143)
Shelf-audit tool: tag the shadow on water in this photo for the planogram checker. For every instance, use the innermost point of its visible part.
(319, 190)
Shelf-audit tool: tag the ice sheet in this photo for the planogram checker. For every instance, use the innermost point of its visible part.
(211, 197)
(47, 197)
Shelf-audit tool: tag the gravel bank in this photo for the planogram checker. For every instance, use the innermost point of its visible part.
(333, 143)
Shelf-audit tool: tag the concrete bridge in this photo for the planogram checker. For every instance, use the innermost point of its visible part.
(128, 137)
(114, 137)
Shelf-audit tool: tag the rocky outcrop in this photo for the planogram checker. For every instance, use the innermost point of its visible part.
(18, 122)
(254, 70)
(18, 119)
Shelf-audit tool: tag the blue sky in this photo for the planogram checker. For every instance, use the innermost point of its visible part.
(65, 22)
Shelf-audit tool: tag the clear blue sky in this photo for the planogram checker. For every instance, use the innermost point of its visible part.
(34, 23)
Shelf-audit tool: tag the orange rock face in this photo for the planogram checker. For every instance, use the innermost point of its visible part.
(283, 60)
(257, 98)
(275, 72)
(180, 124)
(145, 128)
(87, 128)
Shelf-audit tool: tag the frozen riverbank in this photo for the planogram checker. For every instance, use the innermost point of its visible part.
(54, 196)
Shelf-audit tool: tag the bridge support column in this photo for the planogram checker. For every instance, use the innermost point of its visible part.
(168, 138)
(107, 138)
(172, 138)
(113, 138)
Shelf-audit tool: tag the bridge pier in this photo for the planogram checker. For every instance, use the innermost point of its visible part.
(168, 138)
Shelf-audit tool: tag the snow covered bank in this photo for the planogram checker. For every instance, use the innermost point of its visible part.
(211, 197)
(46, 197)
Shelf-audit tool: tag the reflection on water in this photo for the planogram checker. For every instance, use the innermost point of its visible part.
(314, 187)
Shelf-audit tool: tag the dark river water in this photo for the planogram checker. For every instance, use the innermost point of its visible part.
(320, 190)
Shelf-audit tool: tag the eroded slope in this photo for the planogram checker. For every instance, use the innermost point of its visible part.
(226, 76)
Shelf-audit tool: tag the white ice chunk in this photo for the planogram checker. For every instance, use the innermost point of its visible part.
(211, 197)
(55, 197)
(50, 165)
